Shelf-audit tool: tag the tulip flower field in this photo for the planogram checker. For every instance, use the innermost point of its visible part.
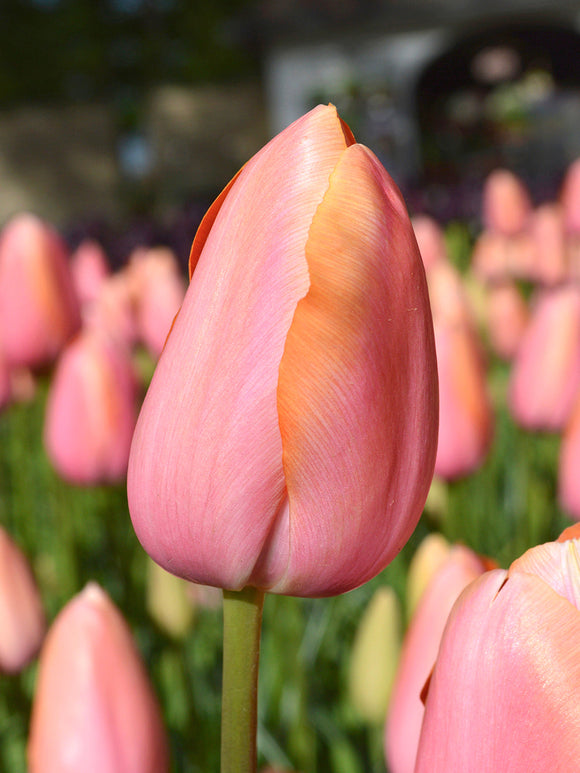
(108, 662)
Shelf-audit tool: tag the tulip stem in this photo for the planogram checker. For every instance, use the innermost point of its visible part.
(242, 625)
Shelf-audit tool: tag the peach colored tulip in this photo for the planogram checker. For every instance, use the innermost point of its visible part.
(158, 288)
(288, 437)
(94, 710)
(569, 464)
(90, 268)
(507, 317)
(546, 372)
(430, 240)
(39, 309)
(506, 203)
(22, 620)
(91, 411)
(504, 692)
(418, 655)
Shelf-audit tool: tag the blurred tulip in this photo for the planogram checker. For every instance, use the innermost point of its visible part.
(39, 310)
(375, 655)
(90, 268)
(490, 259)
(22, 620)
(168, 601)
(449, 300)
(91, 411)
(5, 385)
(548, 237)
(465, 412)
(506, 203)
(546, 372)
(504, 691)
(158, 288)
(569, 464)
(430, 239)
(429, 556)
(94, 710)
(288, 436)
(419, 651)
(113, 310)
(507, 318)
(570, 198)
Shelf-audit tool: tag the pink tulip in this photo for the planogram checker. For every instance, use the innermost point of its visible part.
(569, 464)
(22, 621)
(288, 436)
(550, 265)
(91, 411)
(507, 317)
(418, 655)
(113, 310)
(570, 198)
(94, 710)
(39, 309)
(546, 373)
(90, 268)
(5, 382)
(504, 692)
(465, 414)
(430, 240)
(158, 290)
(506, 203)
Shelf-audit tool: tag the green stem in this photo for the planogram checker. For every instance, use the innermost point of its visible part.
(242, 624)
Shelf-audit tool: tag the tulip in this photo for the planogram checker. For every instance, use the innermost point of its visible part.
(158, 289)
(465, 412)
(22, 620)
(504, 691)
(570, 198)
(90, 268)
(5, 380)
(168, 601)
(427, 559)
(430, 240)
(418, 655)
(94, 709)
(546, 373)
(288, 437)
(506, 203)
(548, 236)
(375, 655)
(39, 310)
(113, 310)
(569, 464)
(91, 411)
(506, 318)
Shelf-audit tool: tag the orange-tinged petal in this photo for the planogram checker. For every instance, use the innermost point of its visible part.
(357, 393)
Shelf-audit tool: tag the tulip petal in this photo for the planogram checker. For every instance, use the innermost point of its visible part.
(357, 393)
(220, 480)
(503, 695)
(558, 564)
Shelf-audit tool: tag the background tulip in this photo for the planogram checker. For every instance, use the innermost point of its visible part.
(427, 559)
(94, 709)
(506, 203)
(375, 655)
(22, 620)
(288, 436)
(418, 655)
(91, 411)
(90, 268)
(507, 318)
(546, 373)
(39, 309)
(503, 694)
(569, 464)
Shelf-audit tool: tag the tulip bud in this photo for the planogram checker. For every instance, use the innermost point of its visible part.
(22, 621)
(90, 269)
(91, 411)
(506, 203)
(158, 290)
(168, 601)
(568, 465)
(375, 655)
(503, 693)
(94, 709)
(546, 373)
(39, 309)
(288, 436)
(418, 654)
(570, 198)
(548, 237)
(506, 318)
(430, 240)
(429, 556)
(112, 311)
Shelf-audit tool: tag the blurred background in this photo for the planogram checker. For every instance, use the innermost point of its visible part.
(120, 121)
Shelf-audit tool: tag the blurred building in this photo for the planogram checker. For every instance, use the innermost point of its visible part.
(443, 90)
